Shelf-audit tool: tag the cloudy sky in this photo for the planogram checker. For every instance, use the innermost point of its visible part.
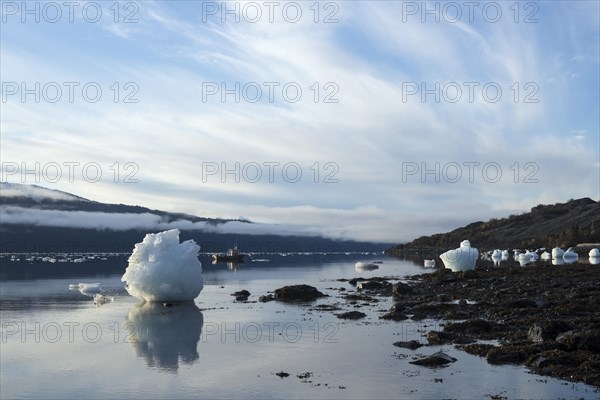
(370, 120)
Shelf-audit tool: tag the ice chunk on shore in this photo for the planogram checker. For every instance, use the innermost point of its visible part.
(557, 252)
(570, 254)
(461, 259)
(162, 269)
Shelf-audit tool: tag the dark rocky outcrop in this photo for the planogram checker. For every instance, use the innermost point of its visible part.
(435, 360)
(351, 315)
(241, 295)
(296, 293)
(413, 344)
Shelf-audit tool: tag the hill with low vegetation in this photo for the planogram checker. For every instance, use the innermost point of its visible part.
(561, 224)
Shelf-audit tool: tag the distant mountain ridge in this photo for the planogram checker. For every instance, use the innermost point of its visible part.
(41, 198)
(37, 219)
(561, 224)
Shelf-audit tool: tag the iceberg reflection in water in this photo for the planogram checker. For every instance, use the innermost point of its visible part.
(163, 335)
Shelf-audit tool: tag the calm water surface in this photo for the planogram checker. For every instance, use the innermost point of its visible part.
(56, 343)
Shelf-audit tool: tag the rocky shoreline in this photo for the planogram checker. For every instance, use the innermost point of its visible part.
(541, 316)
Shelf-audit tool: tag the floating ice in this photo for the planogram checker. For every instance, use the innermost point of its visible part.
(100, 299)
(546, 256)
(595, 252)
(364, 266)
(88, 289)
(162, 269)
(461, 259)
(429, 263)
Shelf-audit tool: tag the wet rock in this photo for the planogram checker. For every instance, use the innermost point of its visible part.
(522, 307)
(579, 366)
(305, 375)
(397, 308)
(580, 340)
(394, 317)
(354, 281)
(435, 360)
(266, 298)
(369, 285)
(351, 315)
(413, 344)
(524, 303)
(295, 293)
(401, 289)
(241, 295)
(282, 374)
(444, 275)
(506, 355)
(470, 274)
(396, 313)
(437, 337)
(461, 340)
(470, 327)
(547, 330)
(479, 349)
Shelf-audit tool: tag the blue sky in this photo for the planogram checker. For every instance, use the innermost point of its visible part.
(362, 118)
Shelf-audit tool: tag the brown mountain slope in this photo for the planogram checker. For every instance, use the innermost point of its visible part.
(561, 224)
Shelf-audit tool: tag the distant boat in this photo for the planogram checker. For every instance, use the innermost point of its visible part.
(233, 256)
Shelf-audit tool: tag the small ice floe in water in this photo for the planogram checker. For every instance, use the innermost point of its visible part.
(595, 252)
(505, 255)
(162, 269)
(429, 263)
(570, 254)
(88, 289)
(546, 256)
(364, 266)
(557, 252)
(100, 299)
(461, 259)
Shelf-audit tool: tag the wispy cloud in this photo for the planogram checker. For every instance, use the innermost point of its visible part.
(371, 134)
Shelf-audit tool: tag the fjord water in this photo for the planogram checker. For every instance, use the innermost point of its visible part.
(57, 344)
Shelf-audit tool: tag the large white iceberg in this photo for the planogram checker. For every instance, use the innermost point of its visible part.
(162, 269)
(461, 259)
